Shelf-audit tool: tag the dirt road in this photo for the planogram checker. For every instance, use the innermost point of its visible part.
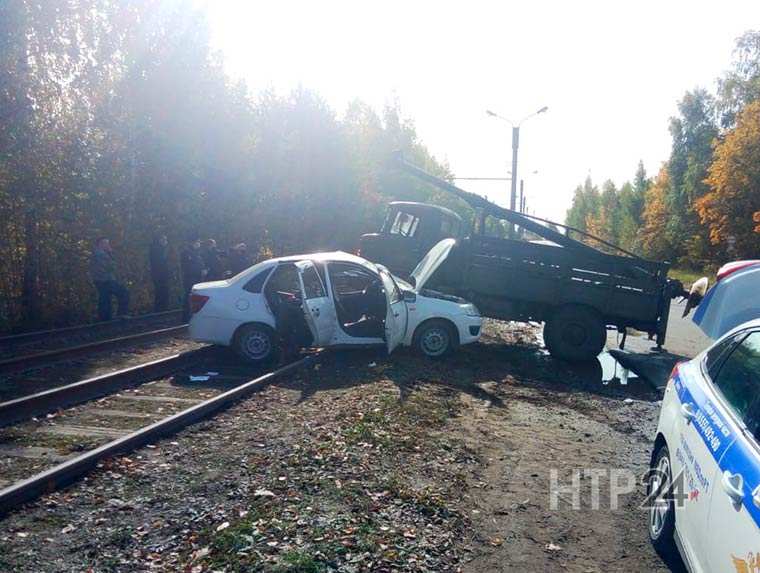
(369, 463)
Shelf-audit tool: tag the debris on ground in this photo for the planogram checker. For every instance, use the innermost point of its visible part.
(411, 465)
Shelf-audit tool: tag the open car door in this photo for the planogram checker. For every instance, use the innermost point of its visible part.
(318, 307)
(396, 315)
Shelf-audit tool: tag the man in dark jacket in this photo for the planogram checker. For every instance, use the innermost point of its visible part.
(103, 273)
(212, 259)
(191, 263)
(159, 272)
(238, 259)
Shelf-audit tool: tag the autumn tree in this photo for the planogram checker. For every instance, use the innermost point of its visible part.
(117, 119)
(653, 237)
(731, 209)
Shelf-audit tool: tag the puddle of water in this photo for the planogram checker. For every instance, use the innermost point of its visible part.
(614, 372)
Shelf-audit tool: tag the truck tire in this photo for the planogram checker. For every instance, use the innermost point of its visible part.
(255, 343)
(575, 333)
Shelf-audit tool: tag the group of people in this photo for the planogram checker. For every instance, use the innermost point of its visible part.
(199, 261)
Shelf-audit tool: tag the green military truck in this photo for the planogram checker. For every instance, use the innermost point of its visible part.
(518, 267)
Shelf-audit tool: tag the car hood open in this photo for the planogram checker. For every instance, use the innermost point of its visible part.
(430, 263)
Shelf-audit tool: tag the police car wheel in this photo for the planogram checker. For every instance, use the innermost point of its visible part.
(255, 343)
(661, 513)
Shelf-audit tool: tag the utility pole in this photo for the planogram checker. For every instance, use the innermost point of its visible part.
(515, 146)
(521, 206)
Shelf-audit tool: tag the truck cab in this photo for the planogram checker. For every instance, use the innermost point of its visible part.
(410, 230)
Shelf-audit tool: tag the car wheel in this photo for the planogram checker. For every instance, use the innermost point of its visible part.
(661, 514)
(435, 339)
(575, 333)
(255, 343)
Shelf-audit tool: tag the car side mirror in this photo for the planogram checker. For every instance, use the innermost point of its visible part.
(410, 296)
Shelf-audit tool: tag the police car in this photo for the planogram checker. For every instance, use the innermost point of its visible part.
(704, 486)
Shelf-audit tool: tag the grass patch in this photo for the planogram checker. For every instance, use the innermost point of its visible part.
(689, 276)
(299, 562)
(398, 423)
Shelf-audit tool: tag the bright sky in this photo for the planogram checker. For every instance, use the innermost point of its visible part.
(611, 73)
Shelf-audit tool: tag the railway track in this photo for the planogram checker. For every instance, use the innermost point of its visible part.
(14, 340)
(19, 362)
(44, 447)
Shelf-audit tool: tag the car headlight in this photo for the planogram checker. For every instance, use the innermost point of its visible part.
(472, 310)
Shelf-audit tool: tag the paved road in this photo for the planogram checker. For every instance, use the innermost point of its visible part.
(684, 337)
(684, 340)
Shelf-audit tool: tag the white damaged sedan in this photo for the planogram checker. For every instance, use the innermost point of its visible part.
(331, 300)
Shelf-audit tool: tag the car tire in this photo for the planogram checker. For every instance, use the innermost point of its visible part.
(255, 343)
(575, 333)
(436, 339)
(661, 517)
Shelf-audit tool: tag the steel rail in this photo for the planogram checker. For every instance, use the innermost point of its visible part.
(28, 361)
(67, 472)
(41, 403)
(25, 337)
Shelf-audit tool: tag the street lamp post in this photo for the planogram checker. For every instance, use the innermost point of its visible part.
(515, 146)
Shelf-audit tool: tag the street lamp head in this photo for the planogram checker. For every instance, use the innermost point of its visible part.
(492, 114)
(543, 109)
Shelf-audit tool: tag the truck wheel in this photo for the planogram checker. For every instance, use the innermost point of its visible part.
(575, 333)
(255, 343)
(662, 514)
(435, 338)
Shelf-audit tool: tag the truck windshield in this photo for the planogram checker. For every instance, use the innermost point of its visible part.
(404, 224)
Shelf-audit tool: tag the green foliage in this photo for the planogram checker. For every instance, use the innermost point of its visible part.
(117, 119)
(741, 84)
(701, 209)
(585, 202)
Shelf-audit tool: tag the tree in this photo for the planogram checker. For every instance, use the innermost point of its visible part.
(585, 203)
(731, 209)
(604, 222)
(629, 216)
(118, 120)
(693, 132)
(654, 241)
(741, 84)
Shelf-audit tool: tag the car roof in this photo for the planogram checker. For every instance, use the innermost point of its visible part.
(334, 256)
(416, 208)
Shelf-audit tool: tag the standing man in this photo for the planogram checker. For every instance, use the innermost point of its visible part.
(238, 259)
(191, 263)
(212, 259)
(103, 273)
(159, 272)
